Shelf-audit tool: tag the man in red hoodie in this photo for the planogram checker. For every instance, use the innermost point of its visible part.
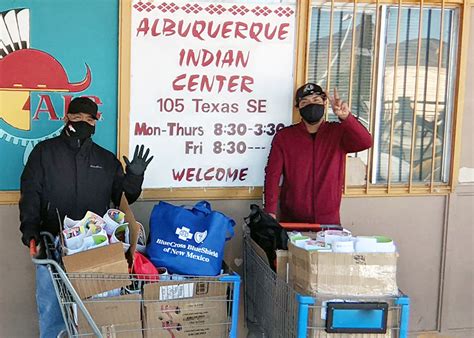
(309, 158)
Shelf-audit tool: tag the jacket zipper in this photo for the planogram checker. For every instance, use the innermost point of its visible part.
(313, 168)
(76, 177)
(76, 159)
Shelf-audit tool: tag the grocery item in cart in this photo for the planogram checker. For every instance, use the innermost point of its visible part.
(70, 223)
(343, 246)
(92, 221)
(113, 218)
(330, 236)
(87, 234)
(74, 237)
(374, 244)
(121, 234)
(94, 231)
(107, 259)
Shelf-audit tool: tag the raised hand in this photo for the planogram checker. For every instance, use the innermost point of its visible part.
(339, 107)
(139, 162)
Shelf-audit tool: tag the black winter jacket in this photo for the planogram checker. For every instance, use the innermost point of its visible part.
(61, 174)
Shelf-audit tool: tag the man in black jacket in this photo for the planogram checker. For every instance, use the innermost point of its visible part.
(70, 175)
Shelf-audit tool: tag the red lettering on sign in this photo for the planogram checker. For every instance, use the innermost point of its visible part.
(217, 83)
(210, 174)
(49, 108)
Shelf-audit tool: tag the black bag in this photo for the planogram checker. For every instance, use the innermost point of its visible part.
(267, 233)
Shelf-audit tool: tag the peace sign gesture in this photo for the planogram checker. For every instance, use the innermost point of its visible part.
(339, 107)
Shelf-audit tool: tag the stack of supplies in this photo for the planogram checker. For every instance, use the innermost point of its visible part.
(341, 241)
(94, 231)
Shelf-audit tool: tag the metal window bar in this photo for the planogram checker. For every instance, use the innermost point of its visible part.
(351, 69)
(413, 129)
(360, 70)
(351, 74)
(425, 94)
(449, 47)
(394, 90)
(404, 109)
(339, 38)
(435, 122)
(449, 93)
(448, 158)
(379, 108)
(318, 33)
(328, 81)
(373, 101)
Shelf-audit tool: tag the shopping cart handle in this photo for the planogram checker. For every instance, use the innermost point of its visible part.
(298, 226)
(310, 226)
(33, 251)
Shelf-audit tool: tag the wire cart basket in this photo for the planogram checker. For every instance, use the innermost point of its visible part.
(143, 305)
(281, 312)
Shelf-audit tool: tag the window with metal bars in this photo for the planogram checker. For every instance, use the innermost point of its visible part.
(397, 70)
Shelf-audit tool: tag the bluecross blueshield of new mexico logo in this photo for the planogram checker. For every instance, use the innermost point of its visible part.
(25, 70)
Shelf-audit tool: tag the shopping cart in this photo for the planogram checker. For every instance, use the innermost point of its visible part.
(280, 312)
(145, 306)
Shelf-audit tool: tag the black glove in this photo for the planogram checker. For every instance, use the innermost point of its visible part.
(29, 235)
(139, 161)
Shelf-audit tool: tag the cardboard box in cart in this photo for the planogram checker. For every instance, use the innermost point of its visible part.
(117, 317)
(185, 309)
(355, 274)
(108, 260)
(281, 263)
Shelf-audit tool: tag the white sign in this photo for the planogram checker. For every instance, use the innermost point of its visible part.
(211, 83)
(170, 292)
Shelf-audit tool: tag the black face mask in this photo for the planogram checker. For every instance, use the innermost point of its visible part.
(81, 130)
(312, 113)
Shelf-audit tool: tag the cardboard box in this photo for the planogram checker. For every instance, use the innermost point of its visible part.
(282, 264)
(281, 259)
(355, 274)
(186, 309)
(108, 260)
(115, 316)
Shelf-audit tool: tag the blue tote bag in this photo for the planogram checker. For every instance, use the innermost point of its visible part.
(188, 241)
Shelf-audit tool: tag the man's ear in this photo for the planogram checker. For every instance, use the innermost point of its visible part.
(65, 119)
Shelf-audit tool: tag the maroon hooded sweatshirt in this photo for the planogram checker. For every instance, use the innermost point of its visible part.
(312, 170)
